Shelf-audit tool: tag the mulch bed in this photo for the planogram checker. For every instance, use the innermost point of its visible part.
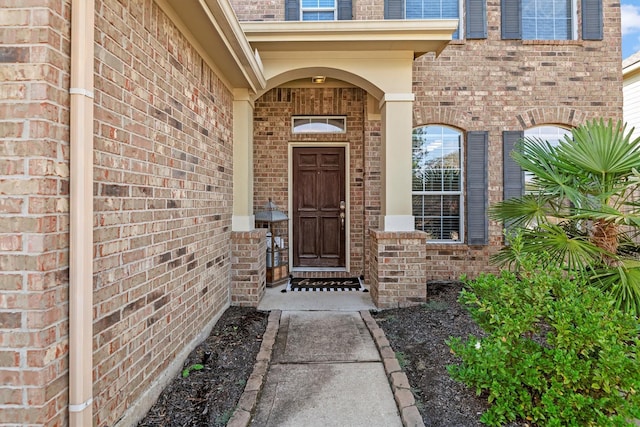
(209, 396)
(417, 334)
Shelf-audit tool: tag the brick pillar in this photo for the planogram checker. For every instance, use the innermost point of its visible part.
(248, 267)
(398, 268)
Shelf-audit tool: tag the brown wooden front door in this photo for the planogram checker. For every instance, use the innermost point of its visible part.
(318, 190)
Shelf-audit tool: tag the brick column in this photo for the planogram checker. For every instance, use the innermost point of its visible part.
(398, 268)
(248, 266)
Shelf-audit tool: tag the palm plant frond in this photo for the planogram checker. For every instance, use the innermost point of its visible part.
(608, 214)
(623, 284)
(573, 252)
(583, 212)
(522, 211)
(601, 149)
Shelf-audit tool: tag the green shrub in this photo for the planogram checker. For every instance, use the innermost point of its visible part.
(556, 350)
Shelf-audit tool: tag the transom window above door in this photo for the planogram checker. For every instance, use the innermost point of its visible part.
(319, 124)
(318, 10)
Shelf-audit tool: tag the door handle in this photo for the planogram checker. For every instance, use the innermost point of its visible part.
(342, 214)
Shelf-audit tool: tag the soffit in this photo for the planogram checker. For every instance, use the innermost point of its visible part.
(212, 26)
(418, 36)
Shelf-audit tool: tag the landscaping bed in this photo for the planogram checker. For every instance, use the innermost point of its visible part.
(208, 397)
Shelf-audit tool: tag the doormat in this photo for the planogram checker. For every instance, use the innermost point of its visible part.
(323, 284)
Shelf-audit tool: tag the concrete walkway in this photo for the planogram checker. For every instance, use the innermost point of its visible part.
(326, 368)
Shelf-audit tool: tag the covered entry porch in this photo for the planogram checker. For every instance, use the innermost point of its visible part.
(366, 69)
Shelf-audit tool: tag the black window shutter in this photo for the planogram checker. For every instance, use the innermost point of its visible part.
(511, 19)
(394, 9)
(513, 175)
(477, 188)
(476, 19)
(292, 10)
(592, 20)
(345, 11)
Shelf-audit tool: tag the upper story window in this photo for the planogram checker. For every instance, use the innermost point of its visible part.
(324, 124)
(547, 20)
(437, 182)
(550, 19)
(424, 9)
(433, 9)
(318, 10)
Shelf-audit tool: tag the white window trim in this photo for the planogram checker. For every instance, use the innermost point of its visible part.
(574, 20)
(461, 194)
(333, 9)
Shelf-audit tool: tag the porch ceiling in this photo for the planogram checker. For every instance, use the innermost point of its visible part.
(418, 36)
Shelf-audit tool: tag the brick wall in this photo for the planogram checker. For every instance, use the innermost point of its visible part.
(34, 208)
(492, 85)
(163, 200)
(398, 271)
(272, 134)
(496, 85)
(248, 267)
(264, 10)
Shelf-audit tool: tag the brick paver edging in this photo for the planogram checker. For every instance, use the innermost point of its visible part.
(399, 382)
(249, 399)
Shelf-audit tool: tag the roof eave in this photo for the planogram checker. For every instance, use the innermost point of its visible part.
(213, 26)
(419, 36)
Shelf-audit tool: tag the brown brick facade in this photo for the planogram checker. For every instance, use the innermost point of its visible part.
(163, 200)
(272, 136)
(398, 270)
(34, 212)
(248, 267)
(488, 85)
(165, 259)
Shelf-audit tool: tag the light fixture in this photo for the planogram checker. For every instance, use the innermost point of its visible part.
(318, 79)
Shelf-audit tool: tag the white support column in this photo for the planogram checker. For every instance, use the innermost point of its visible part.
(397, 124)
(243, 218)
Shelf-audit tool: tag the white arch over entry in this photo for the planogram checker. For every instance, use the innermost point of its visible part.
(304, 73)
(376, 56)
(378, 73)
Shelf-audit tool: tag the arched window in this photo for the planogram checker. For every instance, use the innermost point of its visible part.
(319, 124)
(552, 134)
(437, 182)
